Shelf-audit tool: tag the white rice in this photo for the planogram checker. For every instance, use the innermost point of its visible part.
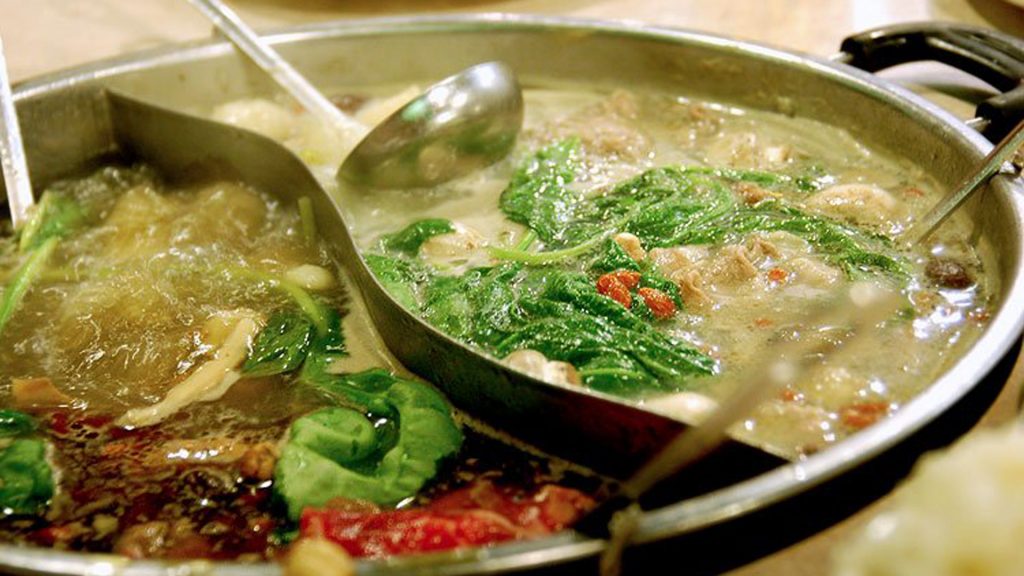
(961, 513)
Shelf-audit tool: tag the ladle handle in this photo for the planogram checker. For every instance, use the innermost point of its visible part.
(992, 56)
(993, 163)
(242, 36)
(858, 308)
(12, 152)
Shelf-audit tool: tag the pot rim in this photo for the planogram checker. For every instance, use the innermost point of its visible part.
(682, 517)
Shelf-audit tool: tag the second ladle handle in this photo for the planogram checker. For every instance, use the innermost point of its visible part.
(277, 67)
(992, 164)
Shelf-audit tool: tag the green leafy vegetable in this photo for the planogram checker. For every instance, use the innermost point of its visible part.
(399, 277)
(339, 453)
(538, 196)
(313, 310)
(611, 258)
(525, 302)
(281, 346)
(673, 206)
(568, 320)
(560, 313)
(29, 271)
(14, 423)
(308, 219)
(26, 480)
(324, 349)
(409, 239)
(55, 216)
(856, 251)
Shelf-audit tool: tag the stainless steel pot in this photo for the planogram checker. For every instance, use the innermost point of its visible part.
(558, 51)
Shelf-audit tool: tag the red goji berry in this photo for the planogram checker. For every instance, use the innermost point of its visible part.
(610, 286)
(863, 414)
(777, 275)
(629, 278)
(660, 304)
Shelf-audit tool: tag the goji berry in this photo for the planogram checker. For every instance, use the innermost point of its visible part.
(660, 304)
(863, 414)
(628, 278)
(777, 275)
(609, 285)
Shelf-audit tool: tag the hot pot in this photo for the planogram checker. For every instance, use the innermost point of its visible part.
(748, 514)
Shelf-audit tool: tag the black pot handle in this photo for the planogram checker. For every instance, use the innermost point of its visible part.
(992, 56)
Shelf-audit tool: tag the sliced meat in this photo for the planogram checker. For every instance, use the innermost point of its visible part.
(464, 243)
(813, 272)
(477, 515)
(752, 194)
(748, 150)
(732, 264)
(690, 283)
(863, 204)
(209, 381)
(631, 245)
(670, 261)
(607, 128)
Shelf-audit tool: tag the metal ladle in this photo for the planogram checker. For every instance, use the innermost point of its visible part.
(12, 152)
(999, 160)
(461, 124)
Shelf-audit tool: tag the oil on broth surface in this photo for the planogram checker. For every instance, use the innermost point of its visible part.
(178, 383)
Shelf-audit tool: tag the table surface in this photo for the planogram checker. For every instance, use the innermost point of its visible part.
(42, 36)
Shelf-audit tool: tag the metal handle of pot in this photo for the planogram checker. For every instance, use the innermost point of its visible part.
(992, 56)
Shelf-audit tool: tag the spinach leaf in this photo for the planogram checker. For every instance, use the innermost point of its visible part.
(611, 258)
(26, 480)
(313, 310)
(339, 453)
(409, 239)
(560, 313)
(480, 306)
(325, 348)
(538, 195)
(569, 320)
(400, 277)
(14, 423)
(673, 206)
(856, 251)
(55, 216)
(281, 346)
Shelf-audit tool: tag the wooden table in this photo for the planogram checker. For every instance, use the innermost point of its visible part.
(46, 35)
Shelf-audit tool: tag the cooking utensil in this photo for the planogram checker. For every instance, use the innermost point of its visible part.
(759, 514)
(995, 58)
(459, 125)
(287, 77)
(858, 309)
(998, 160)
(12, 153)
